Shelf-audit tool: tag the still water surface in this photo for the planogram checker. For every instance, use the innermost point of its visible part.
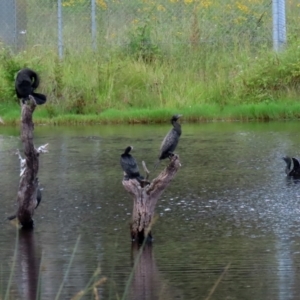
(229, 205)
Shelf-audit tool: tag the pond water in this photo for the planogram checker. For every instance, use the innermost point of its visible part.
(230, 207)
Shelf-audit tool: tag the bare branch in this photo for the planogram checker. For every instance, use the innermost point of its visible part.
(160, 183)
(146, 170)
(22, 163)
(43, 148)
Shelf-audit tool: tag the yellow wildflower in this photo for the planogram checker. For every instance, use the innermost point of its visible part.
(68, 3)
(242, 7)
(239, 20)
(205, 3)
(135, 21)
(102, 4)
(161, 8)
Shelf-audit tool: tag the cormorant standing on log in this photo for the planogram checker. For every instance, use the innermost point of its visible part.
(170, 141)
(130, 166)
(26, 82)
(292, 166)
(38, 201)
(38, 197)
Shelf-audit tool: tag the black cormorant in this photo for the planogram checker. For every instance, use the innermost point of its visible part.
(292, 166)
(171, 140)
(26, 82)
(130, 166)
(38, 201)
(38, 197)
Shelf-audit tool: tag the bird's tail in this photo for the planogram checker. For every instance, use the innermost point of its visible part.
(39, 98)
(287, 159)
(11, 217)
(139, 178)
(156, 164)
(292, 165)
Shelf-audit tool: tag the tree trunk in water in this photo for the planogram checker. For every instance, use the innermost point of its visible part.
(145, 199)
(28, 186)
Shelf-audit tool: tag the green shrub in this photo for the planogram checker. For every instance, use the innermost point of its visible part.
(271, 76)
(141, 45)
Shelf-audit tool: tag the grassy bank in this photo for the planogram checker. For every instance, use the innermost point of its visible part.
(206, 76)
(121, 89)
(205, 113)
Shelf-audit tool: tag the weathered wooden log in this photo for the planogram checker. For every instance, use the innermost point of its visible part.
(145, 198)
(28, 187)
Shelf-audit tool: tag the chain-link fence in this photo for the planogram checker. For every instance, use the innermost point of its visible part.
(70, 26)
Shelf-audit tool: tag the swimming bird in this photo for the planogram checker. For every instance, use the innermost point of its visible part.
(171, 140)
(130, 166)
(26, 82)
(292, 166)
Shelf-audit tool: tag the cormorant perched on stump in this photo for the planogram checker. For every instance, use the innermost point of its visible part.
(171, 140)
(26, 82)
(292, 166)
(130, 166)
(38, 197)
(38, 201)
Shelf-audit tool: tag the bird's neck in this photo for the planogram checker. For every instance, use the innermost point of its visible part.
(177, 126)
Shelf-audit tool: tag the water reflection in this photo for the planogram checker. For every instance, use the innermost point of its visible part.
(28, 266)
(285, 271)
(230, 202)
(147, 282)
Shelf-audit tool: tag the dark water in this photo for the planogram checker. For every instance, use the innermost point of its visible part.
(230, 205)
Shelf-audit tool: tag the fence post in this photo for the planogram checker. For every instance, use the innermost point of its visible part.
(94, 28)
(59, 23)
(279, 25)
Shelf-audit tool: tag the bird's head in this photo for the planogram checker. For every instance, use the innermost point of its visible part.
(128, 149)
(175, 118)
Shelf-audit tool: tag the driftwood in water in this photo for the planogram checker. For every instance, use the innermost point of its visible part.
(29, 186)
(145, 199)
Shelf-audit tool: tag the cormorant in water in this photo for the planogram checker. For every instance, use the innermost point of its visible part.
(171, 140)
(292, 166)
(26, 82)
(130, 166)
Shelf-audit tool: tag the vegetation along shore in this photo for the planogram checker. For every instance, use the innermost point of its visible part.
(148, 80)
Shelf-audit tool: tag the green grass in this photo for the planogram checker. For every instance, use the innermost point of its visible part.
(138, 76)
(204, 113)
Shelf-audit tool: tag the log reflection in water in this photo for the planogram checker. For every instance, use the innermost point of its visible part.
(147, 282)
(29, 259)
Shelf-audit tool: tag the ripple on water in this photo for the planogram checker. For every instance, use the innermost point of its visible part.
(230, 206)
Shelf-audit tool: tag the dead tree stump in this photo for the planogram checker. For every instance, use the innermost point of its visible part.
(28, 186)
(145, 199)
